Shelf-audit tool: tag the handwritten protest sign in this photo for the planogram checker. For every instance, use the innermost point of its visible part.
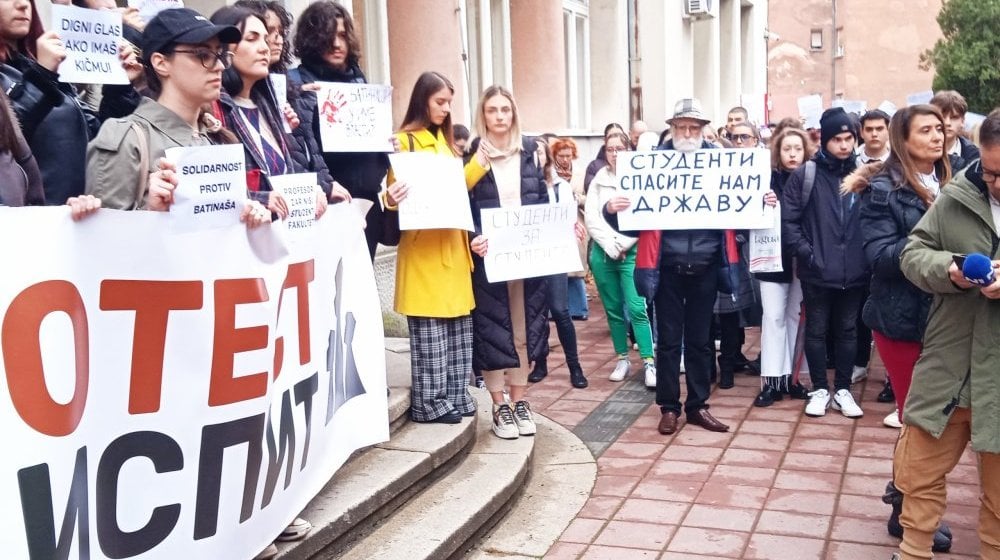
(920, 97)
(887, 107)
(703, 189)
(187, 400)
(299, 191)
(438, 197)
(211, 186)
(354, 117)
(529, 241)
(810, 109)
(280, 84)
(856, 106)
(765, 245)
(149, 8)
(91, 38)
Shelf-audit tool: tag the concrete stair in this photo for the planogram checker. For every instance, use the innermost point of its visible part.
(433, 491)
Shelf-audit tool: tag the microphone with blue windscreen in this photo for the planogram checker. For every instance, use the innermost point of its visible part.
(978, 269)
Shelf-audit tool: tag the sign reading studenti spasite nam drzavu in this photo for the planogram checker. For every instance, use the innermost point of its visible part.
(185, 395)
(703, 189)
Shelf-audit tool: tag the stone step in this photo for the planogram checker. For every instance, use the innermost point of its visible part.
(441, 520)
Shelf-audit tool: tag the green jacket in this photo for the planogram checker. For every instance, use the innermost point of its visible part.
(113, 157)
(960, 361)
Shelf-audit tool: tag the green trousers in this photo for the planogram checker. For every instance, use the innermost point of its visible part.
(616, 286)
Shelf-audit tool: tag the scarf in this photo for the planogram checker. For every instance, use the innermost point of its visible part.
(505, 164)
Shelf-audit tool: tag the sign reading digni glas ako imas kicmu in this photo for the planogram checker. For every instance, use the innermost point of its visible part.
(703, 189)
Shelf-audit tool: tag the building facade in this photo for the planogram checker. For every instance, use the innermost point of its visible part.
(848, 49)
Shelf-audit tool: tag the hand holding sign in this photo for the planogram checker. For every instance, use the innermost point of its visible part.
(51, 50)
(480, 245)
(161, 187)
(617, 203)
(86, 49)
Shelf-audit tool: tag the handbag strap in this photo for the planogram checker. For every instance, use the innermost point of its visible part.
(143, 183)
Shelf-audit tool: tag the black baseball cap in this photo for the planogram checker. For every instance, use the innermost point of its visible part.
(183, 25)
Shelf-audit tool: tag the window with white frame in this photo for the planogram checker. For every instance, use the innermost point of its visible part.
(487, 35)
(576, 33)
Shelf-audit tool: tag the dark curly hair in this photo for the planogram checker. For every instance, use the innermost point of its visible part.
(316, 28)
(260, 8)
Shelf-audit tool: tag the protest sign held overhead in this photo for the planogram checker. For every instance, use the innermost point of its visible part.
(91, 38)
(703, 189)
(810, 109)
(149, 8)
(438, 197)
(354, 117)
(529, 241)
(211, 186)
(186, 401)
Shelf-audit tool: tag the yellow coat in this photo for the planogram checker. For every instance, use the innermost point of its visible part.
(434, 266)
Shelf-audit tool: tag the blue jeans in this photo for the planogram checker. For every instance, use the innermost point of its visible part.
(577, 297)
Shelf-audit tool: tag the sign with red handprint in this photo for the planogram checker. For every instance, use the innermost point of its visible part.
(354, 117)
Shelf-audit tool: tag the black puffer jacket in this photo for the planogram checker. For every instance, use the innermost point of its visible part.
(493, 338)
(778, 179)
(690, 247)
(824, 232)
(889, 210)
(969, 154)
(361, 173)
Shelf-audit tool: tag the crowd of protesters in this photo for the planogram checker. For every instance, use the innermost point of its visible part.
(876, 212)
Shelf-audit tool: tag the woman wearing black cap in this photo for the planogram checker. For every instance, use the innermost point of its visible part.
(184, 60)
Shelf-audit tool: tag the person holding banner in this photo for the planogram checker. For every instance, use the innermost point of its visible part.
(327, 44)
(184, 60)
(781, 292)
(895, 195)
(249, 108)
(612, 260)
(504, 166)
(55, 125)
(434, 273)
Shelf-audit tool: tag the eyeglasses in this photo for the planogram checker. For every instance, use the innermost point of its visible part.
(990, 177)
(615, 150)
(740, 137)
(207, 57)
(687, 128)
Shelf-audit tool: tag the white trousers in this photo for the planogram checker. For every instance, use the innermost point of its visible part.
(782, 305)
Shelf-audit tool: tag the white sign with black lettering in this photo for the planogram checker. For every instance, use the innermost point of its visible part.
(91, 38)
(703, 189)
(299, 191)
(211, 186)
(438, 197)
(529, 241)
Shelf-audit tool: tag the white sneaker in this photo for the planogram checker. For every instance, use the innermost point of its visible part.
(650, 375)
(819, 400)
(524, 419)
(843, 401)
(859, 374)
(892, 420)
(504, 425)
(621, 370)
(635, 345)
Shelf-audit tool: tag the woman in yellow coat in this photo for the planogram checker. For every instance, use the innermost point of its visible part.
(434, 273)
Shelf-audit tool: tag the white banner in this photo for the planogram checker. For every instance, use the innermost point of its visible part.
(211, 186)
(91, 38)
(703, 189)
(178, 395)
(529, 241)
(438, 197)
(765, 245)
(354, 117)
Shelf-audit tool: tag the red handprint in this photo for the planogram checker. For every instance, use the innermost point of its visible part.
(334, 102)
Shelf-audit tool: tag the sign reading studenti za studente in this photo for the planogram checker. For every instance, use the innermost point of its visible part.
(178, 396)
(529, 241)
(703, 189)
(91, 40)
(354, 117)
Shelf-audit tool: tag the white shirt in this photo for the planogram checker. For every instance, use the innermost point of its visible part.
(956, 148)
(865, 158)
(931, 182)
(995, 210)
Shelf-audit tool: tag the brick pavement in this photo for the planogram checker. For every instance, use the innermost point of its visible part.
(779, 485)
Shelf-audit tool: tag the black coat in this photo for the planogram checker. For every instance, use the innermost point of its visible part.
(778, 179)
(493, 339)
(889, 210)
(970, 153)
(825, 234)
(361, 173)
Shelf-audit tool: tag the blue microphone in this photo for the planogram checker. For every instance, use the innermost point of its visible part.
(978, 269)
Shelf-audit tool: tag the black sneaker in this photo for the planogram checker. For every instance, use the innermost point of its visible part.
(767, 397)
(887, 394)
(539, 372)
(798, 392)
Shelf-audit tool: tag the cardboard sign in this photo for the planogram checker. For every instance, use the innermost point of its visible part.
(703, 189)
(211, 186)
(529, 241)
(354, 117)
(187, 395)
(765, 245)
(811, 109)
(438, 197)
(91, 38)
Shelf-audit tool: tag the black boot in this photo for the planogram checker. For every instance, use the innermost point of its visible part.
(725, 379)
(576, 376)
(887, 394)
(893, 497)
(540, 371)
